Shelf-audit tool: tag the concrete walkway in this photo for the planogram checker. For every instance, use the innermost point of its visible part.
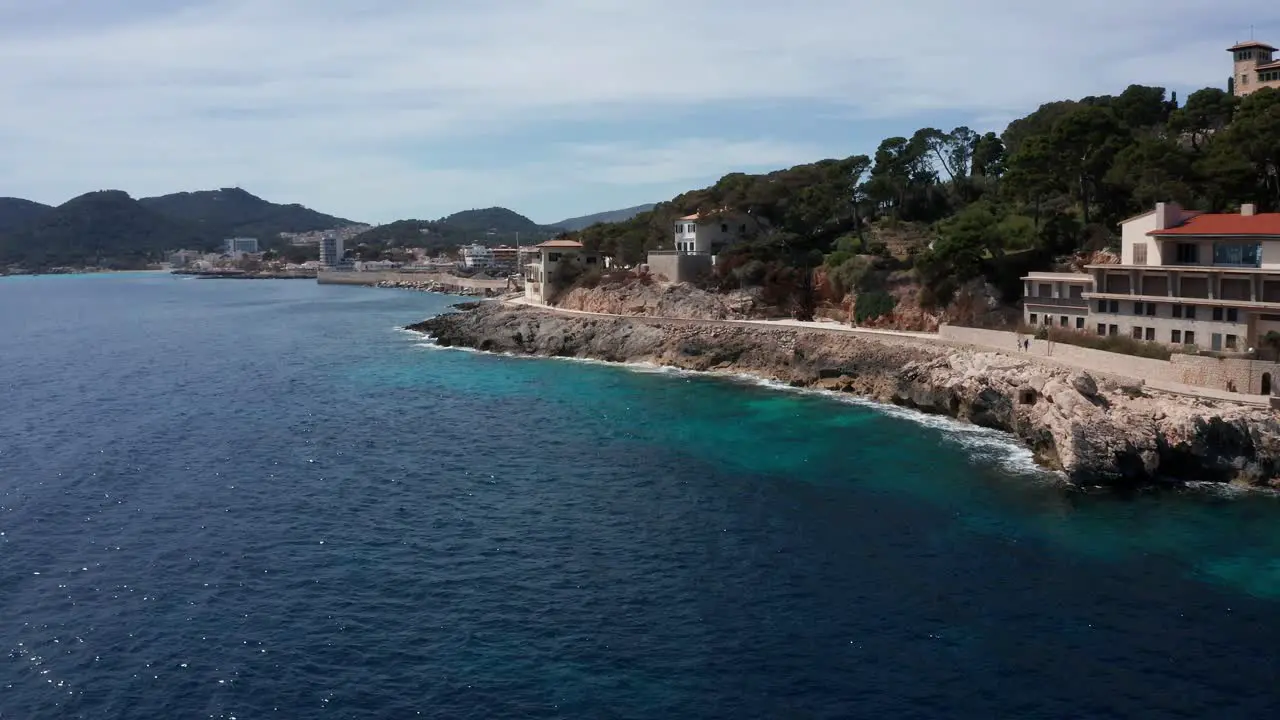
(1040, 355)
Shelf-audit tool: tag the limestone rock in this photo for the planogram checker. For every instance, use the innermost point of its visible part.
(1095, 433)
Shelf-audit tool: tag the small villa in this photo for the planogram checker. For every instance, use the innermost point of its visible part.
(709, 233)
(555, 260)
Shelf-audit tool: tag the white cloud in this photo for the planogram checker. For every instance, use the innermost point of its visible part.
(340, 105)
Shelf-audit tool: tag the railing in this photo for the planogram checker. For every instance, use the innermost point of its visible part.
(1057, 302)
(679, 252)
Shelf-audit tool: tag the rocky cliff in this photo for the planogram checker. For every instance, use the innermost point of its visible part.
(1096, 432)
(663, 299)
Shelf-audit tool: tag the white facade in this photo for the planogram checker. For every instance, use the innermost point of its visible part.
(477, 257)
(239, 246)
(1056, 299)
(1195, 279)
(331, 251)
(709, 233)
(540, 275)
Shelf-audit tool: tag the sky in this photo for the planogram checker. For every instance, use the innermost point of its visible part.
(378, 110)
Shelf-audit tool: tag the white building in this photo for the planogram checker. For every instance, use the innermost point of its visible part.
(477, 257)
(183, 258)
(709, 233)
(1056, 299)
(331, 251)
(374, 265)
(238, 247)
(1190, 278)
(556, 258)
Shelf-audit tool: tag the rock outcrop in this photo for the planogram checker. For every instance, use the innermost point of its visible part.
(1095, 431)
(662, 299)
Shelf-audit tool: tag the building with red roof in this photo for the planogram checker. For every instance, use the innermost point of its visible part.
(1211, 280)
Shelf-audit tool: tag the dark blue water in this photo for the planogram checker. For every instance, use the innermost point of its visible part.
(259, 499)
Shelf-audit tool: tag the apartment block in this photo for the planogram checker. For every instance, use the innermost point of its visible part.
(1189, 278)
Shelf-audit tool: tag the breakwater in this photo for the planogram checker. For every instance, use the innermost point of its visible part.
(441, 282)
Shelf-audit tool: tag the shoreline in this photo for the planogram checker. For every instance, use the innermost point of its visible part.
(1094, 431)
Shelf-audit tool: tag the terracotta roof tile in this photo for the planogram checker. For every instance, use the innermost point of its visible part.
(1262, 225)
(567, 244)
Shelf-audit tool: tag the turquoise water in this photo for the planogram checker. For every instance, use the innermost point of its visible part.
(260, 499)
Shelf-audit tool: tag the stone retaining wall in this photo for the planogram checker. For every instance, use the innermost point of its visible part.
(1200, 371)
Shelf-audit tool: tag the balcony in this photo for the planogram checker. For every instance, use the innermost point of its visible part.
(1057, 302)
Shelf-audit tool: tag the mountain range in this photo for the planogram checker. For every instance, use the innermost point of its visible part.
(610, 216)
(112, 229)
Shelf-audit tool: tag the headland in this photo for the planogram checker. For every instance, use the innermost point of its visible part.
(1097, 430)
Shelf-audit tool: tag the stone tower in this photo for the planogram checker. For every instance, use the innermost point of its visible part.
(1253, 67)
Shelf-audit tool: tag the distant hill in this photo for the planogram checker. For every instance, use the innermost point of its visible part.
(609, 216)
(100, 228)
(233, 211)
(111, 227)
(497, 220)
(488, 226)
(16, 213)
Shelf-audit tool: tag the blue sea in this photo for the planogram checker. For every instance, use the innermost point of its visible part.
(225, 499)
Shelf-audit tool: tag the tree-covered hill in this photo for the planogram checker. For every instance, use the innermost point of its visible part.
(609, 216)
(106, 228)
(235, 212)
(16, 213)
(111, 227)
(1055, 182)
(490, 226)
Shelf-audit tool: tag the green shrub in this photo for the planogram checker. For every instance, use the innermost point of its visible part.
(1107, 343)
(871, 305)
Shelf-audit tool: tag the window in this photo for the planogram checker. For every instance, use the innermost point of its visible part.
(1079, 323)
(1190, 338)
(1137, 308)
(1188, 253)
(1177, 311)
(1151, 309)
(742, 227)
(553, 257)
(1062, 321)
(1113, 330)
(1032, 318)
(1114, 306)
(1246, 254)
(1231, 342)
(1140, 254)
(1137, 333)
(1044, 290)
(1102, 306)
(1233, 315)
(1102, 329)
(1189, 312)
(1150, 335)
(591, 260)
(1244, 79)
(1217, 314)
(724, 227)
(1175, 337)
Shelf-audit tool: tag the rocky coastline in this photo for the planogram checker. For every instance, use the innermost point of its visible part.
(1096, 431)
